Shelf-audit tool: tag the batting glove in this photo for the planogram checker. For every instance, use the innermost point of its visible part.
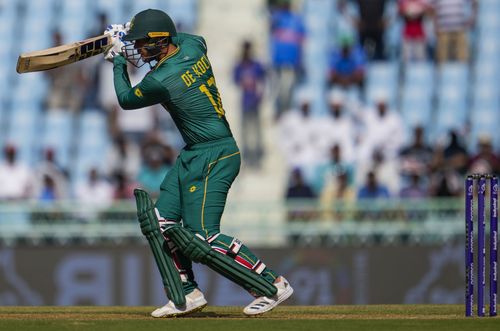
(117, 32)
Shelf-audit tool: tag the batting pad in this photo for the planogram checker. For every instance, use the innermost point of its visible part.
(151, 230)
(198, 250)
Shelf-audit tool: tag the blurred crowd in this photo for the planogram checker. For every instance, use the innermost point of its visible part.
(126, 165)
(361, 148)
(143, 144)
(358, 150)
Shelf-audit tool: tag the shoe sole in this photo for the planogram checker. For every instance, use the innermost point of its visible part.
(195, 310)
(285, 296)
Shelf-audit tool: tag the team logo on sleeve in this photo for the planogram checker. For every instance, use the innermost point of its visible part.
(138, 92)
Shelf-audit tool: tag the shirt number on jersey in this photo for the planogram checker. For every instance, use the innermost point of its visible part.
(216, 103)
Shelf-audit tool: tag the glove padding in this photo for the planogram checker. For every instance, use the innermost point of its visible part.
(117, 32)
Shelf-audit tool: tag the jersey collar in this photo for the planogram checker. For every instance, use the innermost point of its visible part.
(167, 57)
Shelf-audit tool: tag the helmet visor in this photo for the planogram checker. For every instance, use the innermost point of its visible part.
(140, 52)
(132, 54)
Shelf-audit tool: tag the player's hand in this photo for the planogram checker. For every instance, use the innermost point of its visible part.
(117, 32)
(117, 29)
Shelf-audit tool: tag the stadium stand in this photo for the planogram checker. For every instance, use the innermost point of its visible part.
(461, 96)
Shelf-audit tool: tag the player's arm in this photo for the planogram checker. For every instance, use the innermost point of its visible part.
(147, 93)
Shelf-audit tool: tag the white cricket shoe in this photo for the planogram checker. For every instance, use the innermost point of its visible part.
(195, 301)
(265, 304)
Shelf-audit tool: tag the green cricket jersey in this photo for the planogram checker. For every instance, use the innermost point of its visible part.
(183, 82)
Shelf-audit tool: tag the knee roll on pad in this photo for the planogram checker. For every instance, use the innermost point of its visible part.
(198, 250)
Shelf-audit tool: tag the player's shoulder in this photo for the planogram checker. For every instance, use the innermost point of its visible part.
(191, 41)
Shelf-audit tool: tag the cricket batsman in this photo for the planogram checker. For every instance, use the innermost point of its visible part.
(183, 226)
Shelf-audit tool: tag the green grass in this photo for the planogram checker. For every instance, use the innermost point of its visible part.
(372, 318)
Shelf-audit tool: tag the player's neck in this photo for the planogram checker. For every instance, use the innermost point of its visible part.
(167, 51)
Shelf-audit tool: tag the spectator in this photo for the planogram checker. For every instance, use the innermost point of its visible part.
(124, 157)
(452, 22)
(16, 182)
(298, 134)
(337, 196)
(347, 65)
(371, 27)
(94, 196)
(158, 158)
(372, 188)
(287, 36)
(249, 75)
(385, 169)
(338, 128)
(345, 22)
(414, 189)
(334, 182)
(50, 176)
(485, 161)
(382, 129)
(67, 84)
(449, 165)
(416, 158)
(326, 172)
(445, 183)
(96, 191)
(413, 13)
(45, 212)
(455, 155)
(123, 186)
(298, 190)
(49, 191)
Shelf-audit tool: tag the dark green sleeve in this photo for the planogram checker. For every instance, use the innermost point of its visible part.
(148, 92)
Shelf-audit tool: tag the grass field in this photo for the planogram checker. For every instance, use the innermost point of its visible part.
(374, 317)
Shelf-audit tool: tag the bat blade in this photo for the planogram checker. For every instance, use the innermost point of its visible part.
(62, 55)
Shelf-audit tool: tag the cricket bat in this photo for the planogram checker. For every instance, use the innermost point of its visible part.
(62, 55)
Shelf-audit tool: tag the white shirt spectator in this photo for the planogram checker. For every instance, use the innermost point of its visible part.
(386, 171)
(383, 130)
(16, 181)
(48, 167)
(123, 156)
(95, 191)
(337, 129)
(299, 138)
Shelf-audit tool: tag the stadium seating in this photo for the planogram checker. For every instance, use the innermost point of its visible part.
(57, 135)
(22, 120)
(451, 110)
(453, 96)
(417, 95)
(382, 81)
(92, 143)
(24, 124)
